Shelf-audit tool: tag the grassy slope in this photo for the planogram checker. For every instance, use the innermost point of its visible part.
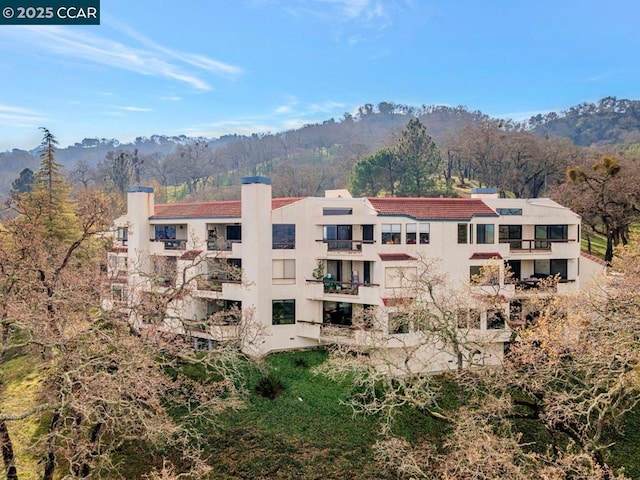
(20, 381)
(307, 432)
(304, 433)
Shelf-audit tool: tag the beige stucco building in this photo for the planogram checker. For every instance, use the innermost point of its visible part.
(310, 267)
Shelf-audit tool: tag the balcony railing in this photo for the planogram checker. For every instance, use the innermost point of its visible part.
(540, 284)
(535, 245)
(171, 244)
(214, 283)
(345, 245)
(342, 287)
(221, 244)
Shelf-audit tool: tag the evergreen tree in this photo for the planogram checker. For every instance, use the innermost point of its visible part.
(24, 182)
(420, 160)
(406, 169)
(51, 192)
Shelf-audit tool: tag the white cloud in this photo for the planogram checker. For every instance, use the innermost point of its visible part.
(11, 116)
(146, 58)
(135, 109)
(371, 12)
(292, 115)
(171, 98)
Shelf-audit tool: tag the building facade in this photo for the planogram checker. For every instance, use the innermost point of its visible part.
(307, 271)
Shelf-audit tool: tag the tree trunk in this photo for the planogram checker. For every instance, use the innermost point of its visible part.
(8, 457)
(608, 255)
(50, 459)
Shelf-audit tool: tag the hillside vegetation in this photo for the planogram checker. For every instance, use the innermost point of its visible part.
(314, 157)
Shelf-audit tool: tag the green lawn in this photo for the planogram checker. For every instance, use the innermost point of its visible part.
(306, 432)
(598, 244)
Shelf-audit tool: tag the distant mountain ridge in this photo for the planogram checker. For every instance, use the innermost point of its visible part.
(609, 121)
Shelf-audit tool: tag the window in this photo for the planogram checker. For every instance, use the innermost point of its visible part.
(284, 236)
(424, 233)
(117, 264)
(234, 233)
(337, 211)
(495, 320)
(337, 313)
(412, 228)
(119, 293)
(224, 311)
(509, 211)
(391, 233)
(229, 269)
(468, 318)
(485, 233)
(484, 275)
(514, 269)
(398, 323)
(123, 235)
(366, 274)
(462, 233)
(511, 234)
(550, 232)
(163, 270)
(165, 232)
(283, 270)
(283, 312)
(367, 233)
(546, 268)
(422, 228)
(338, 237)
(474, 272)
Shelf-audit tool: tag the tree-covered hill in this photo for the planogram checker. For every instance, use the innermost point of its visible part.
(609, 121)
(312, 158)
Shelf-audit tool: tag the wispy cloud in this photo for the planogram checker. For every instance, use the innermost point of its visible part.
(288, 107)
(171, 98)
(361, 10)
(135, 109)
(602, 76)
(302, 109)
(145, 57)
(11, 116)
(324, 107)
(291, 115)
(196, 60)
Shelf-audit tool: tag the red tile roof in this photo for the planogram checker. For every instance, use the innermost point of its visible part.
(397, 301)
(229, 208)
(392, 257)
(593, 258)
(190, 255)
(432, 208)
(485, 256)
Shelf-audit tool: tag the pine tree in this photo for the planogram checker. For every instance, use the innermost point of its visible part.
(420, 159)
(51, 192)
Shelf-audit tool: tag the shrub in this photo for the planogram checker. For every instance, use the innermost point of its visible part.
(269, 386)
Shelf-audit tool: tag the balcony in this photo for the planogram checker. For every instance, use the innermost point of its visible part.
(358, 292)
(546, 285)
(169, 244)
(221, 245)
(345, 246)
(538, 245)
(219, 331)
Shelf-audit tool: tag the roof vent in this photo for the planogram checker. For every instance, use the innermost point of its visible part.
(261, 180)
(484, 193)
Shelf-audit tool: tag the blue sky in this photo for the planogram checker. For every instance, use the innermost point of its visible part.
(202, 67)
